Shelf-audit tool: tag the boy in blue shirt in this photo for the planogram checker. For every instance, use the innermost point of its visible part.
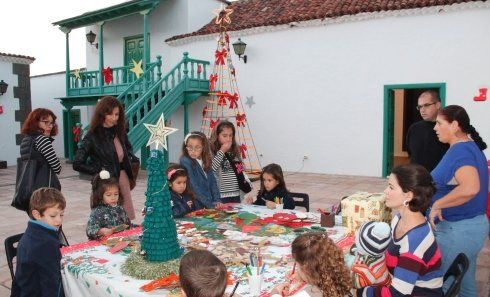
(38, 271)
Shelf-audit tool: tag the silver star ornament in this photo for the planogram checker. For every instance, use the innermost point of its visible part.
(159, 133)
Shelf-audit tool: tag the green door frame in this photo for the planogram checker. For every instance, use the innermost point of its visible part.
(67, 131)
(388, 114)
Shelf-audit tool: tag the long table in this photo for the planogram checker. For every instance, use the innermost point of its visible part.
(89, 269)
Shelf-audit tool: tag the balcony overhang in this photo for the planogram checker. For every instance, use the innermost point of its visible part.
(107, 14)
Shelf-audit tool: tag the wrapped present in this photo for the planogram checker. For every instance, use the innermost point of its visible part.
(363, 207)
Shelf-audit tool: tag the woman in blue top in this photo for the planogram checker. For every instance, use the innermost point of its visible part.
(460, 203)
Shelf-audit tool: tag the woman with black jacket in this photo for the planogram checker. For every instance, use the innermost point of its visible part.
(106, 146)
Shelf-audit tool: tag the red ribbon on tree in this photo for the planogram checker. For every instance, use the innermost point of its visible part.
(214, 123)
(222, 98)
(240, 119)
(213, 78)
(204, 111)
(220, 57)
(107, 72)
(76, 133)
(243, 150)
(233, 100)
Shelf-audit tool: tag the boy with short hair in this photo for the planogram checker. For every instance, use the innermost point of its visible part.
(38, 271)
(202, 274)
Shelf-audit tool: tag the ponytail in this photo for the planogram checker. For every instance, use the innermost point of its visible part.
(476, 138)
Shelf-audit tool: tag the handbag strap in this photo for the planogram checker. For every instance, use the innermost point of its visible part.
(28, 159)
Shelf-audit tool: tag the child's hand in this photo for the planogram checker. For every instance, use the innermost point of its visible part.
(218, 205)
(281, 289)
(105, 232)
(270, 204)
(248, 200)
(189, 203)
(225, 147)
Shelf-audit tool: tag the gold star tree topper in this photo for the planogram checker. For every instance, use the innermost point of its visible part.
(77, 73)
(137, 70)
(159, 133)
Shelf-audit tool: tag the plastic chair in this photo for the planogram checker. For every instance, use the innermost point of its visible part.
(302, 199)
(11, 251)
(457, 270)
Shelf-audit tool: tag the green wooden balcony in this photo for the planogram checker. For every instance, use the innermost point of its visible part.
(89, 82)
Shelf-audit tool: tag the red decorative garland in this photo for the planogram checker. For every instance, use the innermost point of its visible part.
(107, 72)
(213, 78)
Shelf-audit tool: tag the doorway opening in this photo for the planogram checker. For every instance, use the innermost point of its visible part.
(400, 112)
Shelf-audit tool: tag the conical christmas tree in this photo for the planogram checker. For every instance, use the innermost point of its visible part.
(159, 232)
(224, 102)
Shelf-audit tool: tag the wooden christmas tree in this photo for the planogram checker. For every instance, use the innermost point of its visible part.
(224, 102)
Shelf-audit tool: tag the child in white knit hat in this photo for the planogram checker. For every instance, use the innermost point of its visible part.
(369, 268)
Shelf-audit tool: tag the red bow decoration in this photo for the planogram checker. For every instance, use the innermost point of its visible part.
(222, 98)
(220, 57)
(199, 68)
(243, 150)
(107, 72)
(213, 78)
(76, 133)
(240, 119)
(204, 111)
(214, 123)
(233, 100)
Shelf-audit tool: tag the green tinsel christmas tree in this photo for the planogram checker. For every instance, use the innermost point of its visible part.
(159, 232)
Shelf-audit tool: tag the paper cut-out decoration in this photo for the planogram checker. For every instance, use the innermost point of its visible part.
(76, 73)
(137, 70)
(222, 15)
(250, 101)
(482, 96)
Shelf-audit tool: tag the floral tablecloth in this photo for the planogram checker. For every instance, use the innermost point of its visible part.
(89, 269)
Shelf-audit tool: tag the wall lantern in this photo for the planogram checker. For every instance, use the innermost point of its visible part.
(239, 48)
(91, 38)
(3, 87)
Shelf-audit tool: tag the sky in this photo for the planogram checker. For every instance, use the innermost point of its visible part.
(27, 30)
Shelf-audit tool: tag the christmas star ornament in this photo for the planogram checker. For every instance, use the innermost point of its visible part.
(77, 73)
(159, 133)
(222, 15)
(137, 70)
(250, 101)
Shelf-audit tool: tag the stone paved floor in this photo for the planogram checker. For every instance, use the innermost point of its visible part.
(323, 190)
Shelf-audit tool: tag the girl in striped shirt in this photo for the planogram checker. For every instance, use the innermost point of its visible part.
(227, 164)
(413, 257)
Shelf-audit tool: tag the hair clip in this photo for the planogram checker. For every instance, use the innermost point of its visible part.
(189, 135)
(171, 172)
(104, 174)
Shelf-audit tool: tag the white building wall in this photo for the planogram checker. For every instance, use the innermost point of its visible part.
(44, 90)
(319, 90)
(9, 151)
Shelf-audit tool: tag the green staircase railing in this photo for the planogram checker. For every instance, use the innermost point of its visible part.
(181, 85)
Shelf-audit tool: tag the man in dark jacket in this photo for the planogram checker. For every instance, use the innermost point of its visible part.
(38, 271)
(423, 146)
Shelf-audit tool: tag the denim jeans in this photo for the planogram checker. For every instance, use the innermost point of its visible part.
(465, 236)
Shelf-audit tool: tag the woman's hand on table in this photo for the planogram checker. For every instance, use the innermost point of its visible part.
(270, 204)
(105, 232)
(189, 203)
(281, 289)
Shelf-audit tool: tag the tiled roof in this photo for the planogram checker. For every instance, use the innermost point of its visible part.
(257, 13)
(17, 56)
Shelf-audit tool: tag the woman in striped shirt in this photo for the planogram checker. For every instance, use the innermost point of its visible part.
(39, 129)
(413, 257)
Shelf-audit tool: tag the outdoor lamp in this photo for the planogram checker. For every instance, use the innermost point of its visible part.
(3, 87)
(91, 38)
(239, 48)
